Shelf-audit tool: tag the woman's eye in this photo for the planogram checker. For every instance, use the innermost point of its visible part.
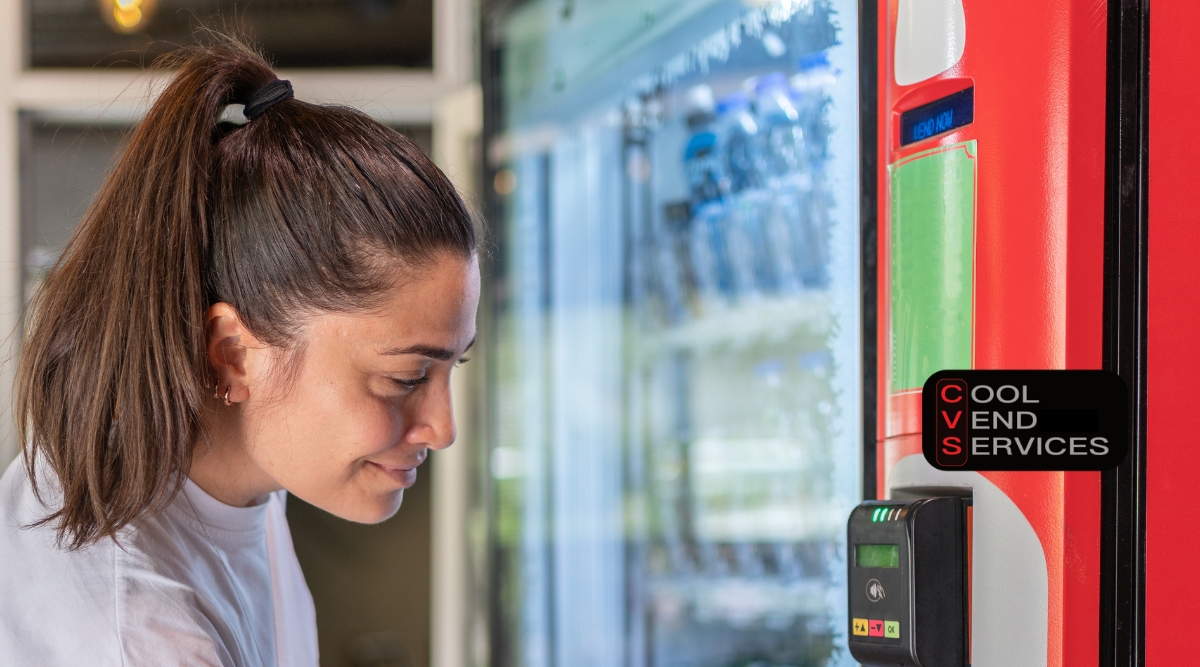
(462, 360)
(411, 384)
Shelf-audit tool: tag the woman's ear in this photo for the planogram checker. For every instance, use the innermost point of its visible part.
(232, 352)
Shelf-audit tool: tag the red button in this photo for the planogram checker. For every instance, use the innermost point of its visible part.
(875, 628)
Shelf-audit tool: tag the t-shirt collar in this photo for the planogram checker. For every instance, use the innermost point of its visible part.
(216, 514)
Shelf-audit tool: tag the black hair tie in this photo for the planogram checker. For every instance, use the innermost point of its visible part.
(268, 96)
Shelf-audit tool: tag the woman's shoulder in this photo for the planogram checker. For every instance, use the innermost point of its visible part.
(110, 603)
(55, 605)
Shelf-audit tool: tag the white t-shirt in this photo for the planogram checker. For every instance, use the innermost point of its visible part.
(202, 584)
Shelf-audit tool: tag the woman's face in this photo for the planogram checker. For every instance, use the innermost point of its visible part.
(368, 398)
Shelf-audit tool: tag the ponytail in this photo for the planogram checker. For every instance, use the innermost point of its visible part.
(113, 379)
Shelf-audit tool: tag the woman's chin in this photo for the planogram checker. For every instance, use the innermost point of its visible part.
(375, 508)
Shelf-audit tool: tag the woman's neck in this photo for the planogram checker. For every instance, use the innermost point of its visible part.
(222, 467)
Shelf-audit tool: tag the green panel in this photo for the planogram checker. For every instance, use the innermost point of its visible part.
(877, 555)
(933, 222)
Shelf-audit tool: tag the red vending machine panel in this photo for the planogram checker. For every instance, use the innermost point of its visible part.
(991, 228)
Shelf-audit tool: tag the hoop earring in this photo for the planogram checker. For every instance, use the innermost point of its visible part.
(227, 402)
(216, 390)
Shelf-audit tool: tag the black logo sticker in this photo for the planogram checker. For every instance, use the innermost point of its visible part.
(1025, 420)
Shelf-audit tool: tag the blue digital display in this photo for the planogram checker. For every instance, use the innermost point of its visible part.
(940, 116)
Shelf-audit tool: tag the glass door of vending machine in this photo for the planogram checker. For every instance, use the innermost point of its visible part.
(674, 343)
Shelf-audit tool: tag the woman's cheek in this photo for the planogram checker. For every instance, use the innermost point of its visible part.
(331, 436)
(365, 424)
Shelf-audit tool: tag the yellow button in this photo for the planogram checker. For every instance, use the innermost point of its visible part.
(860, 627)
(891, 629)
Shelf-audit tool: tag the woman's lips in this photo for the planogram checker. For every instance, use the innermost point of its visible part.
(405, 477)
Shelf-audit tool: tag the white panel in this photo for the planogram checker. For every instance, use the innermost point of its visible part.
(457, 123)
(930, 38)
(11, 55)
(1009, 582)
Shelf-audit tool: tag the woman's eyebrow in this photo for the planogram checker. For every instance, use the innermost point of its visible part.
(431, 351)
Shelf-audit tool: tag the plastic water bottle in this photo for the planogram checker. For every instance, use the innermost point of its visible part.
(741, 155)
(811, 86)
(701, 157)
(783, 147)
(812, 81)
(739, 142)
(707, 251)
(784, 157)
(702, 162)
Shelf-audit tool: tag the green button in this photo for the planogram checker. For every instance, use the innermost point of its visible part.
(891, 629)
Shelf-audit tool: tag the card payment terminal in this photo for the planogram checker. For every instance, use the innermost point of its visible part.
(908, 582)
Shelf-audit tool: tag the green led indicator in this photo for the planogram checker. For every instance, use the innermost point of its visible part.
(881, 514)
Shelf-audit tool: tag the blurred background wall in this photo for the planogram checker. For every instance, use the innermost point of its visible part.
(73, 81)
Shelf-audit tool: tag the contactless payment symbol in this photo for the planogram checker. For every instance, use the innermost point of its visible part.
(874, 628)
(860, 627)
(891, 629)
(875, 591)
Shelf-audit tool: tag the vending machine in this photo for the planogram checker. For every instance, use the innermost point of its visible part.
(733, 240)
(991, 219)
(676, 416)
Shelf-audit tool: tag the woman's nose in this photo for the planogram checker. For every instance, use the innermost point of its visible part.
(433, 419)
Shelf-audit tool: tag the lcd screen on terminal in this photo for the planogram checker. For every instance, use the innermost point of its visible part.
(877, 555)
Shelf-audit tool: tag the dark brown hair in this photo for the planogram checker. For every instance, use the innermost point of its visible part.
(292, 213)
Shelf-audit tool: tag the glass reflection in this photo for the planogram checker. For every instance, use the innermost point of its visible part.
(676, 393)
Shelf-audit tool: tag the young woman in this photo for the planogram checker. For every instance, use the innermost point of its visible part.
(245, 309)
